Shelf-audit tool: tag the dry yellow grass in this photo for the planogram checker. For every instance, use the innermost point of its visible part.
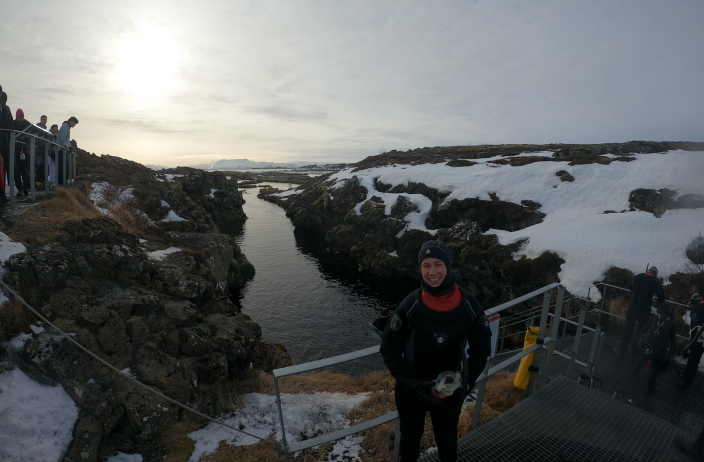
(42, 223)
(175, 441)
(499, 397)
(14, 319)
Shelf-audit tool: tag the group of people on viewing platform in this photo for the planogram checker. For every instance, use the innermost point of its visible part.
(654, 339)
(17, 126)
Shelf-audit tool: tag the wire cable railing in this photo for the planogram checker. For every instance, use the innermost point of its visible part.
(127, 376)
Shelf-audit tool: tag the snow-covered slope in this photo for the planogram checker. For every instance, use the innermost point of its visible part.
(576, 226)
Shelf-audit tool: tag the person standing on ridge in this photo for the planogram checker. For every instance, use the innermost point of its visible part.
(643, 287)
(42, 122)
(64, 139)
(6, 122)
(694, 351)
(52, 156)
(21, 156)
(428, 335)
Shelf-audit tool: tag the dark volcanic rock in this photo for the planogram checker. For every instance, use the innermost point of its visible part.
(169, 322)
(493, 214)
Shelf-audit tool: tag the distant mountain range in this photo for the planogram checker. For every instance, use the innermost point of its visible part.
(238, 164)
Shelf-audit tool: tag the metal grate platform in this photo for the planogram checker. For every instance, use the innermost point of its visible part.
(567, 422)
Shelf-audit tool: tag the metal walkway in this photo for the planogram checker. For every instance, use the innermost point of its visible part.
(568, 422)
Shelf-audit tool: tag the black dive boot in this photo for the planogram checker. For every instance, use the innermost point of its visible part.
(691, 448)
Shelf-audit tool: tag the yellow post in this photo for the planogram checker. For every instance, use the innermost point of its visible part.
(523, 375)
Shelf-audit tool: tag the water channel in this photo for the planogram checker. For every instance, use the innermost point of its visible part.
(303, 296)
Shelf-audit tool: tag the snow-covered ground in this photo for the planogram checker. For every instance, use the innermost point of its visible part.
(304, 414)
(36, 421)
(8, 248)
(575, 226)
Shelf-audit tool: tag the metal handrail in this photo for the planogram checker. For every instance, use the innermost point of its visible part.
(603, 300)
(628, 290)
(544, 343)
(69, 157)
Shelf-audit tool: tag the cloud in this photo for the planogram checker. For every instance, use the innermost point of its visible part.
(280, 79)
(150, 126)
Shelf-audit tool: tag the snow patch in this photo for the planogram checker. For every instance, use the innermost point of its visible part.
(122, 457)
(8, 248)
(171, 176)
(172, 217)
(161, 254)
(36, 420)
(290, 192)
(165, 204)
(393, 254)
(212, 192)
(304, 414)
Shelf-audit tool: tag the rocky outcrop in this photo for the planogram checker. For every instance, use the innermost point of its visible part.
(155, 307)
(201, 200)
(659, 201)
(383, 245)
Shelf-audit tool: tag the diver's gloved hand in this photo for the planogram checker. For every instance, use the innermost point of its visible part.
(424, 395)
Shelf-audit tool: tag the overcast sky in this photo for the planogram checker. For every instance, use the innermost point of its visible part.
(182, 83)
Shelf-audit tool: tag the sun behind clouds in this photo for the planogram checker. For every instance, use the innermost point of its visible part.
(147, 61)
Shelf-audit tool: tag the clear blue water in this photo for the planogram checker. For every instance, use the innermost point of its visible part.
(305, 297)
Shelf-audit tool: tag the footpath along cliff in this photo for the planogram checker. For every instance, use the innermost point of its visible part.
(516, 217)
(131, 263)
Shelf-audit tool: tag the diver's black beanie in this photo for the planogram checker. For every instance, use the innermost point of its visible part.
(436, 249)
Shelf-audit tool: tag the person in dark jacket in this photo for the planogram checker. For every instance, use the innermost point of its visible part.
(428, 335)
(6, 122)
(643, 287)
(21, 156)
(695, 349)
(63, 138)
(655, 346)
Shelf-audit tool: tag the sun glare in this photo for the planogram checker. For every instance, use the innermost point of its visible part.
(147, 62)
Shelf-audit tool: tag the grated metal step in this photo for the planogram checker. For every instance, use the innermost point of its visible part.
(567, 422)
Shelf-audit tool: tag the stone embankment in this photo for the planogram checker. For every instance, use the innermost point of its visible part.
(147, 285)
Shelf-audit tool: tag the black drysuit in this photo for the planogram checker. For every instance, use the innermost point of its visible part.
(655, 346)
(420, 343)
(643, 287)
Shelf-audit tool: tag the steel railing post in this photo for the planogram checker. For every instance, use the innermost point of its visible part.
(503, 336)
(545, 374)
(11, 173)
(547, 296)
(63, 162)
(32, 157)
(547, 366)
(603, 299)
(397, 440)
(480, 398)
(593, 351)
(281, 415)
(577, 338)
(75, 160)
(46, 167)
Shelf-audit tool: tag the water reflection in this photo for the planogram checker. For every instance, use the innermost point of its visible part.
(303, 296)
